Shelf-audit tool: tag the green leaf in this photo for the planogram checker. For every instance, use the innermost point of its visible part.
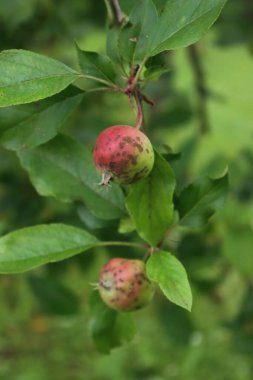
(54, 297)
(155, 72)
(165, 269)
(127, 43)
(155, 67)
(126, 226)
(134, 38)
(29, 125)
(63, 168)
(107, 327)
(201, 199)
(150, 202)
(96, 66)
(112, 44)
(27, 77)
(31, 247)
(92, 222)
(183, 22)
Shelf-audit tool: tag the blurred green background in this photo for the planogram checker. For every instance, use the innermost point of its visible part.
(204, 109)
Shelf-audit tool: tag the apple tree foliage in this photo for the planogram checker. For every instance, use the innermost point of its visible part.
(38, 93)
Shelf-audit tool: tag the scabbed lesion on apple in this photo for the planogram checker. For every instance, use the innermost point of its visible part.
(123, 154)
(124, 286)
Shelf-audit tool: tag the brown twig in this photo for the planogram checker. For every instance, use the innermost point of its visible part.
(147, 100)
(118, 14)
(200, 85)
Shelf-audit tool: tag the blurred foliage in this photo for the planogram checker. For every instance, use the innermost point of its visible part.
(44, 315)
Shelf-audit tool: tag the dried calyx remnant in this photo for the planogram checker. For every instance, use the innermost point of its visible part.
(124, 286)
(123, 154)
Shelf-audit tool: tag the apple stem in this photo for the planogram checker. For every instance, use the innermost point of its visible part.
(139, 120)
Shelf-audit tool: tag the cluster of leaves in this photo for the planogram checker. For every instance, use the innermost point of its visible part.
(37, 95)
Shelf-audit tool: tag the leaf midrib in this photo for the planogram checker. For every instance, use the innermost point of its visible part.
(30, 65)
(73, 251)
(38, 79)
(100, 71)
(178, 289)
(142, 26)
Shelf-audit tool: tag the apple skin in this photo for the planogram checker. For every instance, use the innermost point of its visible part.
(124, 286)
(123, 154)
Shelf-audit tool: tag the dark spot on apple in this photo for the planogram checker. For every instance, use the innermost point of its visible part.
(128, 139)
(132, 159)
(140, 173)
(138, 146)
(112, 165)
